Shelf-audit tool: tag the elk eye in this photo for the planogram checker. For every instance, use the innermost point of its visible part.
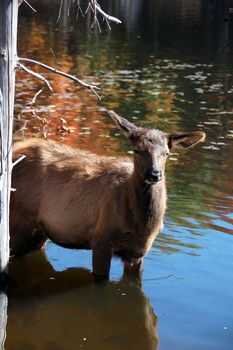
(167, 154)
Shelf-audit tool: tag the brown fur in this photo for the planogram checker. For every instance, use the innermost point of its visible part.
(81, 200)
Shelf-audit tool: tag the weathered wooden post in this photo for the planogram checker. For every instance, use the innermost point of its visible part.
(8, 57)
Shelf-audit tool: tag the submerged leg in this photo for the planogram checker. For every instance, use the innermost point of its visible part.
(20, 235)
(38, 239)
(101, 262)
(133, 268)
(25, 234)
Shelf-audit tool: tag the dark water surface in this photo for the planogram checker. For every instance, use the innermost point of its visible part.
(168, 65)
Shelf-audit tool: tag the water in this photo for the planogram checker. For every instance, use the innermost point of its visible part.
(168, 65)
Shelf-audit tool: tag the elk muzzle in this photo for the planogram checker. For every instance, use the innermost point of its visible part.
(153, 176)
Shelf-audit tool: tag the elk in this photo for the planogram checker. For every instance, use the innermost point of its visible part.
(114, 206)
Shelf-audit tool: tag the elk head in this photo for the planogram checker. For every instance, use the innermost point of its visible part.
(151, 147)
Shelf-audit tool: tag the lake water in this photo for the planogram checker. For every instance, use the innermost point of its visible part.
(169, 65)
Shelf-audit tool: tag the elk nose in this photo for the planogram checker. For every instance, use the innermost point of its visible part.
(153, 176)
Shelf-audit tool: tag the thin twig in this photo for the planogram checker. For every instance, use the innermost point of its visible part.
(32, 8)
(92, 7)
(57, 71)
(52, 52)
(98, 25)
(33, 101)
(105, 15)
(13, 165)
(68, 10)
(87, 9)
(60, 9)
(79, 9)
(37, 75)
(18, 160)
(95, 8)
(108, 24)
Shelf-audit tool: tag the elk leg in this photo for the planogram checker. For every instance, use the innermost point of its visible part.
(133, 272)
(20, 232)
(101, 262)
(38, 239)
(25, 234)
(133, 267)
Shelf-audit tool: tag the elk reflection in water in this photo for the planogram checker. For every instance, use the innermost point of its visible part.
(49, 309)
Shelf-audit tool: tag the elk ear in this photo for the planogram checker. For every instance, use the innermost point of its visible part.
(124, 125)
(185, 140)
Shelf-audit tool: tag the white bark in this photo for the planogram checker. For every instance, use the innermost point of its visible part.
(8, 38)
(3, 319)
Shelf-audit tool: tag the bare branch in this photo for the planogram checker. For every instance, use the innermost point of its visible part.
(37, 75)
(104, 14)
(32, 8)
(26, 2)
(33, 101)
(98, 25)
(88, 7)
(68, 10)
(60, 9)
(94, 16)
(79, 9)
(106, 20)
(57, 71)
(96, 93)
(52, 52)
(95, 8)
(18, 160)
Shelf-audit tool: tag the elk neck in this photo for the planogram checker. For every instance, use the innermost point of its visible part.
(147, 202)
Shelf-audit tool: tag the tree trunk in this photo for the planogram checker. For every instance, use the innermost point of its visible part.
(8, 38)
(3, 318)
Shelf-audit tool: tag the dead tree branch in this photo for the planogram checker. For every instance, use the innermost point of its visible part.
(94, 7)
(26, 2)
(97, 9)
(93, 88)
(33, 101)
(18, 160)
(60, 10)
(37, 75)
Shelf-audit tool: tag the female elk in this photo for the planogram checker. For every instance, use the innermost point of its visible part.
(81, 200)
